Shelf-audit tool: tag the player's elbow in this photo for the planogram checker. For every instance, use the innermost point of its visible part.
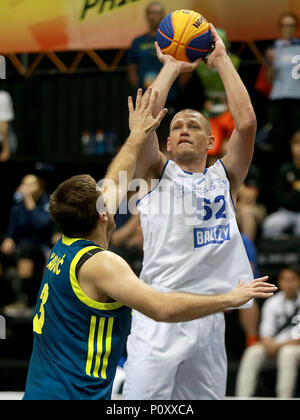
(248, 123)
(160, 314)
(166, 313)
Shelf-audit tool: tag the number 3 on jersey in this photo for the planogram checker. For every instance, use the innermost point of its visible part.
(39, 319)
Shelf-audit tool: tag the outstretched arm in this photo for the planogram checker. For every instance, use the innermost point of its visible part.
(111, 276)
(241, 144)
(142, 124)
(151, 160)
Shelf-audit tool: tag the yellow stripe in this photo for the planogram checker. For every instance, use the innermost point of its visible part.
(77, 290)
(108, 347)
(99, 346)
(70, 241)
(91, 346)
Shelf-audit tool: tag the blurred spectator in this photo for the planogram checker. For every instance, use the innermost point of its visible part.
(8, 145)
(278, 340)
(215, 106)
(287, 218)
(143, 64)
(7, 138)
(28, 239)
(285, 92)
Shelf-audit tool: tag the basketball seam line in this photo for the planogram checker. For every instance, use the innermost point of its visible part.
(182, 45)
(183, 32)
(203, 33)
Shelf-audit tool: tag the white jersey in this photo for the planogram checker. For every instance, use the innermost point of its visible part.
(191, 239)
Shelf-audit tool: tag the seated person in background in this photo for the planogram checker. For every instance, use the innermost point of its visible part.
(28, 238)
(287, 218)
(215, 107)
(279, 340)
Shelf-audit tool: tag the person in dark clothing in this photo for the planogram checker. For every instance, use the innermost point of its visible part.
(287, 217)
(28, 238)
(143, 64)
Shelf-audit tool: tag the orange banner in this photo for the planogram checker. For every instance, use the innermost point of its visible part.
(61, 25)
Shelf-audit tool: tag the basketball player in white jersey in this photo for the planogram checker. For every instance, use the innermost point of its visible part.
(191, 240)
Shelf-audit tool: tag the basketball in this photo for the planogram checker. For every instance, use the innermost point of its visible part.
(185, 35)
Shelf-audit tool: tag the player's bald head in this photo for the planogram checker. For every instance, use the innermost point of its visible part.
(192, 113)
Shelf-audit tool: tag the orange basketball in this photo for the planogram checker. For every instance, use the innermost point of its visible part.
(185, 35)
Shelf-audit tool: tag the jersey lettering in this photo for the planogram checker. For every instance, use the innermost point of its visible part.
(54, 263)
(213, 235)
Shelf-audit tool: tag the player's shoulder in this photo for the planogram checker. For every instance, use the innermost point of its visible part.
(101, 263)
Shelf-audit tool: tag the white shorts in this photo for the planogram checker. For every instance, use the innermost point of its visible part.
(177, 361)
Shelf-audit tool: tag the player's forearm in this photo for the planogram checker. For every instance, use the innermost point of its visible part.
(182, 307)
(125, 161)
(163, 84)
(239, 102)
(150, 154)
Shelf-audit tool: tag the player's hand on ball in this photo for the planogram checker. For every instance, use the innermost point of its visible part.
(218, 51)
(141, 117)
(183, 66)
(258, 288)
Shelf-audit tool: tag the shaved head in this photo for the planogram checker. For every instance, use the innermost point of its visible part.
(197, 115)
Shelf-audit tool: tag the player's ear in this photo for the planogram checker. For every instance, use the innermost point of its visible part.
(211, 142)
(168, 145)
(103, 217)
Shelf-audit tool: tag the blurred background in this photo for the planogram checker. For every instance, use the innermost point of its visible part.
(70, 66)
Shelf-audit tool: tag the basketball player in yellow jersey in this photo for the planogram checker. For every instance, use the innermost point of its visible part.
(197, 251)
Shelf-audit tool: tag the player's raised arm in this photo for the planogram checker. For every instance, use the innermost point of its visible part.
(241, 144)
(150, 157)
(108, 274)
(142, 124)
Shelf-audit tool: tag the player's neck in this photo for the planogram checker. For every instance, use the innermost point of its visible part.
(192, 167)
(100, 238)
